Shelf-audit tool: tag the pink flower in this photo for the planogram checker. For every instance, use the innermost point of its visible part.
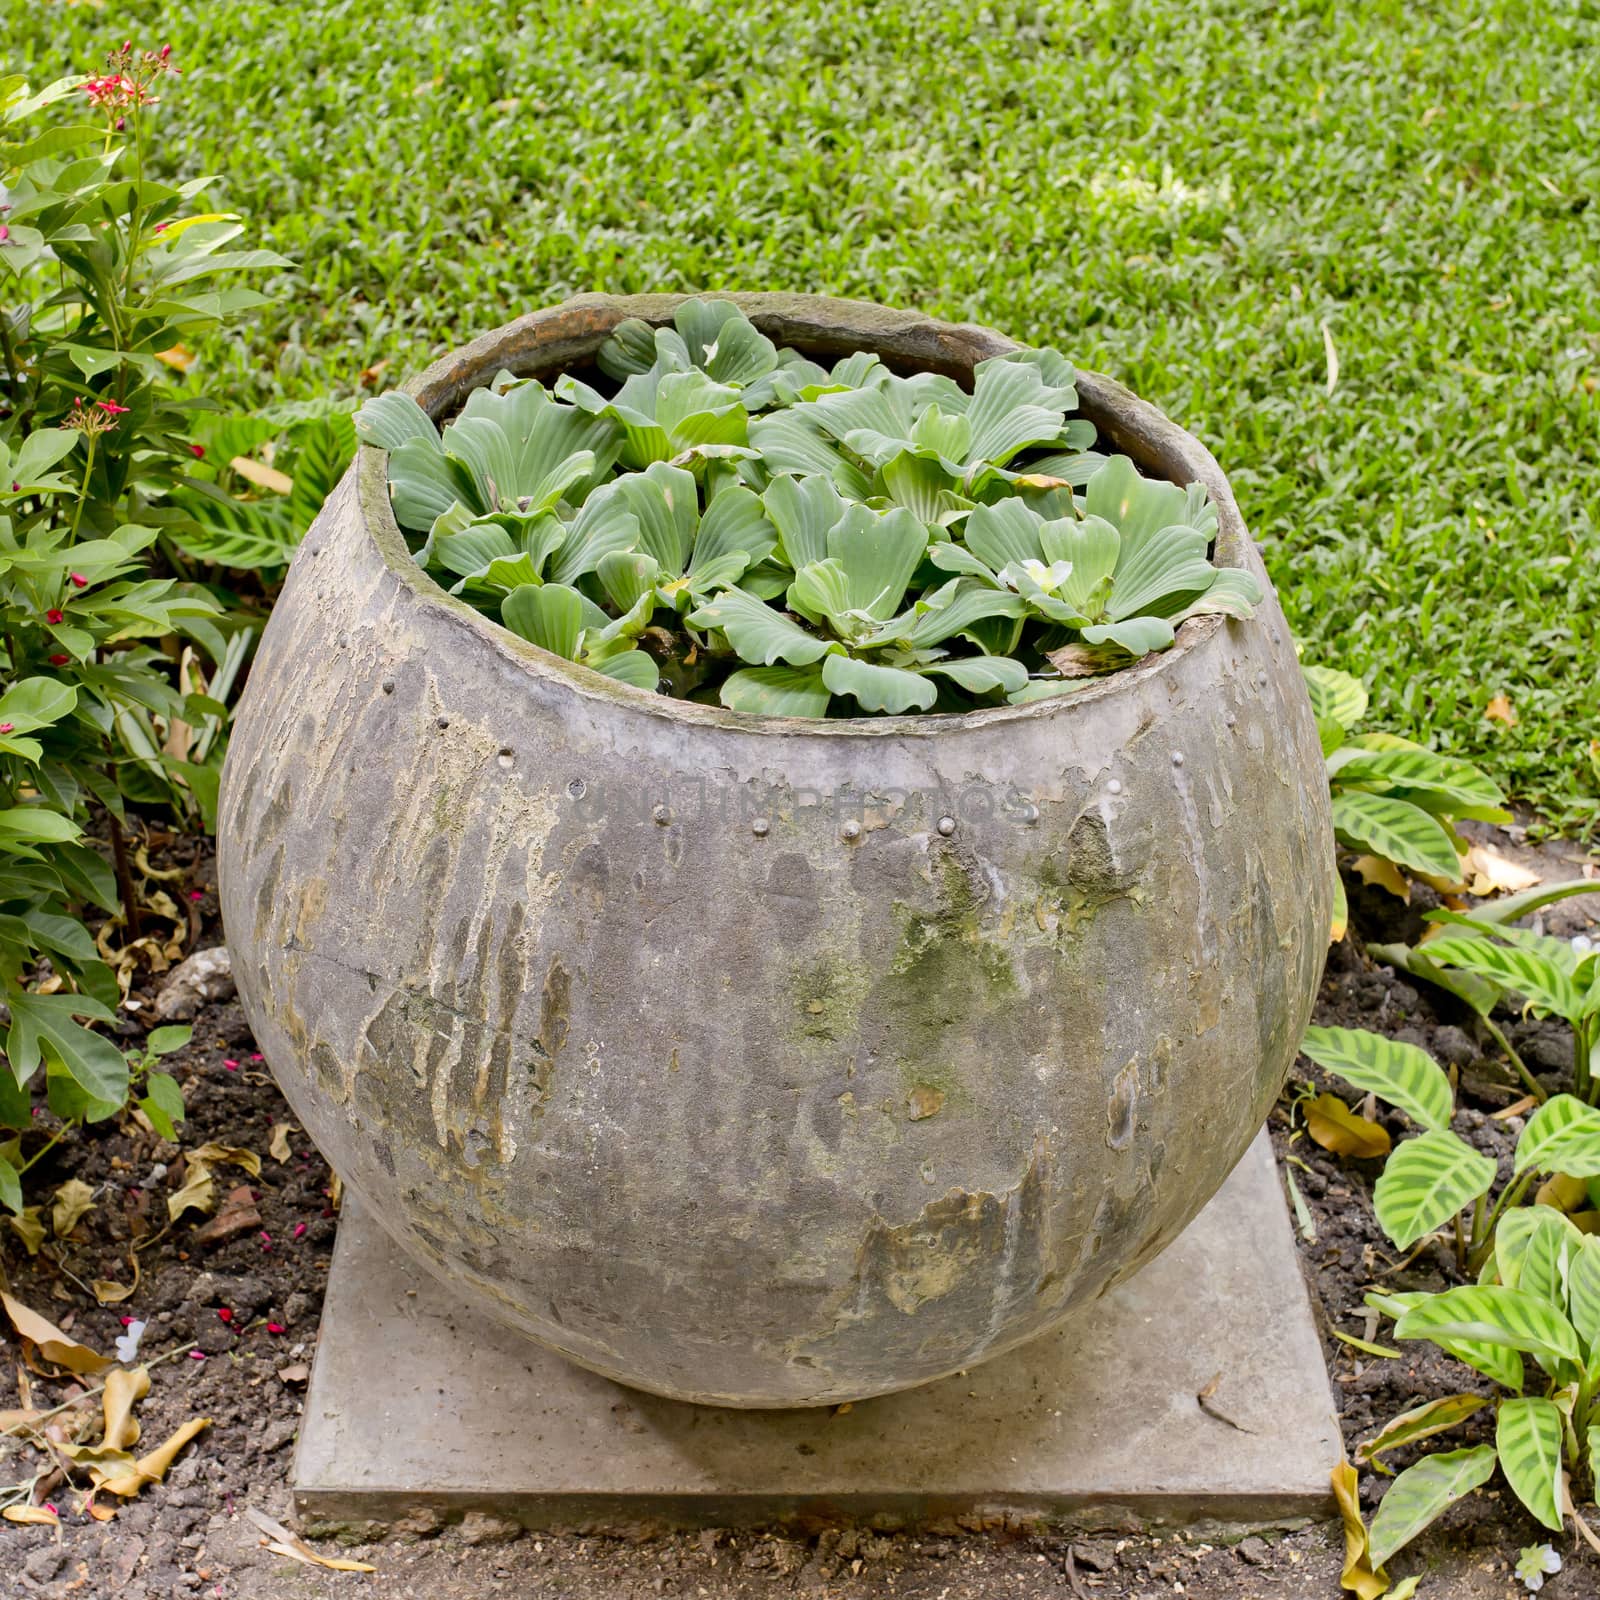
(160, 227)
(77, 580)
(49, 1506)
(125, 1321)
(231, 1064)
(258, 1056)
(54, 615)
(197, 1355)
(6, 727)
(276, 1327)
(198, 451)
(5, 233)
(224, 1314)
(197, 894)
(111, 408)
(299, 1228)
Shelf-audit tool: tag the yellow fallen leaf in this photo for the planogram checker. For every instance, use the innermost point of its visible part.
(29, 1229)
(123, 1391)
(1562, 1192)
(261, 475)
(179, 358)
(153, 1467)
(111, 1293)
(1337, 1128)
(1333, 359)
(278, 1144)
(211, 1154)
(1500, 709)
(1486, 871)
(281, 1542)
(73, 1201)
(1358, 1575)
(51, 1343)
(31, 1514)
(1385, 874)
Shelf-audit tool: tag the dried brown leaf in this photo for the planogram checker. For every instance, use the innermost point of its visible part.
(261, 475)
(123, 1391)
(1500, 709)
(73, 1201)
(1337, 1128)
(31, 1514)
(1385, 874)
(51, 1343)
(152, 1468)
(278, 1145)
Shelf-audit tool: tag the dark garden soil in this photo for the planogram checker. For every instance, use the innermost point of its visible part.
(231, 1302)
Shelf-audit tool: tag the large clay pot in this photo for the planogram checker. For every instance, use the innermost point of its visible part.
(620, 1026)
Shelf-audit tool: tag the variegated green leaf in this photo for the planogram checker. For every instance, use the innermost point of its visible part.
(1545, 987)
(1336, 696)
(1424, 1492)
(1400, 1074)
(1420, 1422)
(1563, 1135)
(1492, 1314)
(1426, 1182)
(1533, 1247)
(1422, 771)
(1527, 1436)
(1396, 830)
(1583, 1292)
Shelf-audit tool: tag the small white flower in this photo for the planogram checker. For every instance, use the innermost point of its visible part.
(128, 1342)
(1535, 1563)
(1050, 578)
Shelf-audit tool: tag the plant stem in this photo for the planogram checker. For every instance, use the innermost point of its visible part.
(124, 871)
(1582, 1082)
(83, 489)
(1509, 1196)
(1529, 1082)
(43, 1150)
(1477, 1223)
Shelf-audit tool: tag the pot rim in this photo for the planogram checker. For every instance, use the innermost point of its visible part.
(548, 341)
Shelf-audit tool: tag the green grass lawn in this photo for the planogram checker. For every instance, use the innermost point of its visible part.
(1185, 195)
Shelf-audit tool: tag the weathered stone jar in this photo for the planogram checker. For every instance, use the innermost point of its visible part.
(754, 1061)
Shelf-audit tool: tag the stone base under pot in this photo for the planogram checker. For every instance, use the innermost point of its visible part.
(416, 1407)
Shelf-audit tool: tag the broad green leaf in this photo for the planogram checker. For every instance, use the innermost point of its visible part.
(637, 667)
(1544, 986)
(879, 551)
(1527, 1436)
(604, 524)
(982, 674)
(874, 688)
(1425, 1182)
(1423, 1493)
(550, 615)
(626, 575)
(1563, 1135)
(1004, 535)
(390, 420)
(759, 633)
(1397, 830)
(1420, 1422)
(803, 510)
(1493, 1314)
(41, 1022)
(1478, 993)
(37, 703)
(35, 824)
(1445, 776)
(1336, 696)
(1012, 407)
(734, 524)
(1137, 635)
(10, 1187)
(1400, 1074)
(665, 501)
(776, 691)
(163, 1104)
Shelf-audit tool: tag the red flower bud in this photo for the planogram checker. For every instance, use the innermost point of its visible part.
(224, 1314)
(59, 661)
(6, 727)
(77, 580)
(166, 50)
(53, 616)
(198, 451)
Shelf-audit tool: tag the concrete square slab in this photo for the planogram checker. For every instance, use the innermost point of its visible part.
(1195, 1391)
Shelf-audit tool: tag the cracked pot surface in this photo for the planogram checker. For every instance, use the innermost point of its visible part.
(616, 1024)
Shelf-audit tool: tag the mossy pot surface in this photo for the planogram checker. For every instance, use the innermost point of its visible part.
(756, 1061)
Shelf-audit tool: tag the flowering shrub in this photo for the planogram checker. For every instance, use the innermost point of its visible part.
(114, 676)
(732, 522)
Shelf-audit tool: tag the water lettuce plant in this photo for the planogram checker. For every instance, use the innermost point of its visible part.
(728, 521)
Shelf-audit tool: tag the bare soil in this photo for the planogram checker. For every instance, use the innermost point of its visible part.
(190, 1536)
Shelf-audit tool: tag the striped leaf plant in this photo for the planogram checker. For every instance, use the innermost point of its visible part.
(1530, 1320)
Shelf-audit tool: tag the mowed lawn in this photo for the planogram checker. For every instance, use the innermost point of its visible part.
(1197, 197)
